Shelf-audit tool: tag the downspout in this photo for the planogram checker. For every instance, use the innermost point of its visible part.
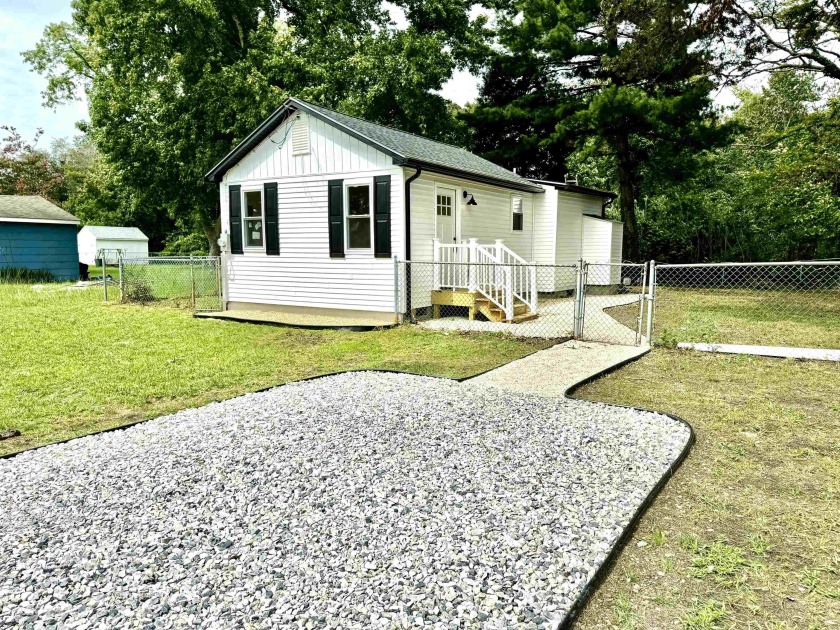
(407, 204)
(407, 219)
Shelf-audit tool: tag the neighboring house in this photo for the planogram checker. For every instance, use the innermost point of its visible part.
(97, 241)
(37, 234)
(317, 204)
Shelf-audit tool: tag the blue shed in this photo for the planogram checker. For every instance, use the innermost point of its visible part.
(37, 234)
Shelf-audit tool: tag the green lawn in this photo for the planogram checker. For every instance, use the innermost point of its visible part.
(769, 318)
(746, 534)
(73, 365)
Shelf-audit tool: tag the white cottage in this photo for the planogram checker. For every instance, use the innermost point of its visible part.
(316, 205)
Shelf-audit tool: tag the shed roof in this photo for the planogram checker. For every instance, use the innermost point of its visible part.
(115, 233)
(32, 209)
(407, 149)
(574, 188)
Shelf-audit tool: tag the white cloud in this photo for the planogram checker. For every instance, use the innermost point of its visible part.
(462, 88)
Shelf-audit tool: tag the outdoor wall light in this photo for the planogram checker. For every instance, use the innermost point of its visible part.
(472, 201)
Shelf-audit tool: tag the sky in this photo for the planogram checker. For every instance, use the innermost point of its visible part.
(21, 24)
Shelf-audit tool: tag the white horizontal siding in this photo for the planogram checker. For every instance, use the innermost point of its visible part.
(489, 220)
(330, 151)
(617, 250)
(599, 239)
(303, 274)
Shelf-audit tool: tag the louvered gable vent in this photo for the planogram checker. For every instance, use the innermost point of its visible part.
(300, 136)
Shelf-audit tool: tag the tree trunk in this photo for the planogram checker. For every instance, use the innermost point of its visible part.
(627, 197)
(212, 229)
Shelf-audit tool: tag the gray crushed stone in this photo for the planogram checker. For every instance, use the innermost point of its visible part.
(363, 500)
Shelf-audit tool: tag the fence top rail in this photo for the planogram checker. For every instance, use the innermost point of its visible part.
(607, 263)
(447, 263)
(171, 258)
(792, 263)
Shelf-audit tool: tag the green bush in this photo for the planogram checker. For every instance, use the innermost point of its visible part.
(186, 245)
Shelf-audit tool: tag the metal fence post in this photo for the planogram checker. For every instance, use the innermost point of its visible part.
(641, 305)
(122, 289)
(396, 290)
(651, 298)
(104, 277)
(578, 308)
(192, 281)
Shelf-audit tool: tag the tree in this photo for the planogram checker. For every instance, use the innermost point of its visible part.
(27, 170)
(772, 193)
(622, 79)
(95, 192)
(800, 35)
(173, 85)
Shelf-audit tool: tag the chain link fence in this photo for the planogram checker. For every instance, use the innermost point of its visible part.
(190, 281)
(794, 304)
(586, 301)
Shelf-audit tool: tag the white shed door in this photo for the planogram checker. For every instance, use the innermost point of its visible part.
(445, 219)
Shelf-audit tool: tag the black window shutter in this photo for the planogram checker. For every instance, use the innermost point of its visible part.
(272, 229)
(235, 210)
(335, 212)
(382, 216)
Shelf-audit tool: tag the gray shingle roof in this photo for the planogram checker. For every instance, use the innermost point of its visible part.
(414, 147)
(32, 208)
(116, 233)
(406, 148)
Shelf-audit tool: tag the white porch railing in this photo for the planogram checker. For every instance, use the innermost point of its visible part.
(495, 271)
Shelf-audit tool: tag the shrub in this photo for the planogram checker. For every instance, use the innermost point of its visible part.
(18, 275)
(138, 291)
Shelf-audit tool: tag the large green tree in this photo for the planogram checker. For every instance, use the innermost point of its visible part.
(772, 193)
(799, 35)
(27, 170)
(172, 85)
(622, 79)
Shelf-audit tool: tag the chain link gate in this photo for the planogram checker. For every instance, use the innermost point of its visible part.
(611, 307)
(593, 301)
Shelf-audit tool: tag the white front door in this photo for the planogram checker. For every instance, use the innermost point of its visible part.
(445, 219)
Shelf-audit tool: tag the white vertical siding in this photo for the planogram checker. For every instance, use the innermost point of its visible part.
(330, 151)
(545, 226)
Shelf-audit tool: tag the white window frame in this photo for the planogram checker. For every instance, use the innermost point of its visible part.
(513, 212)
(245, 220)
(348, 184)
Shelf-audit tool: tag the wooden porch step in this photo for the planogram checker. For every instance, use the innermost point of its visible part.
(524, 317)
(496, 314)
(475, 302)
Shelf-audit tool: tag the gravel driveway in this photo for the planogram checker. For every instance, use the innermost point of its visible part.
(364, 500)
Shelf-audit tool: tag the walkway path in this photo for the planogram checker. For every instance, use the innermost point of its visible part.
(556, 319)
(553, 371)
